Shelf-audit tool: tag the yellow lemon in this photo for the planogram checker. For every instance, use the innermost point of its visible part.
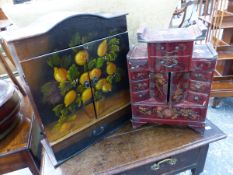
(111, 68)
(84, 78)
(69, 97)
(86, 95)
(100, 83)
(60, 74)
(102, 48)
(95, 73)
(107, 87)
(81, 57)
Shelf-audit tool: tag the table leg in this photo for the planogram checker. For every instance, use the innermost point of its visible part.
(201, 160)
(31, 163)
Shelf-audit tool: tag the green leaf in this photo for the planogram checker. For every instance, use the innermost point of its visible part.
(64, 112)
(66, 62)
(98, 95)
(110, 79)
(92, 64)
(57, 109)
(85, 68)
(114, 48)
(54, 61)
(114, 41)
(100, 62)
(111, 57)
(72, 108)
(73, 73)
(65, 87)
(80, 88)
(117, 77)
(79, 100)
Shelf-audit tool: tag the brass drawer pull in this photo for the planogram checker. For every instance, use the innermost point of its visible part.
(156, 166)
(169, 64)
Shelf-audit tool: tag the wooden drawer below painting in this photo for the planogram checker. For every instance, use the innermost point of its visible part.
(168, 165)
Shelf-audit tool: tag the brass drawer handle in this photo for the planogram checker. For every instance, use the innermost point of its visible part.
(168, 64)
(156, 166)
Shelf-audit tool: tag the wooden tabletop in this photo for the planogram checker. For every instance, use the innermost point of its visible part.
(19, 138)
(128, 148)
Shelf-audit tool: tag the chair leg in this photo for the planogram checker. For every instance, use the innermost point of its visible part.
(11, 75)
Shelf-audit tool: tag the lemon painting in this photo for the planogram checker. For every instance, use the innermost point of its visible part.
(83, 84)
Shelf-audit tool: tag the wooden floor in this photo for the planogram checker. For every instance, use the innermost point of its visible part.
(220, 154)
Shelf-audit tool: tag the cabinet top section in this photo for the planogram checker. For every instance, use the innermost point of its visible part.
(61, 31)
(167, 35)
(138, 52)
(47, 22)
(204, 51)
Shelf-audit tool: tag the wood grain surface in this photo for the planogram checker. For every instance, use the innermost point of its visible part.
(128, 148)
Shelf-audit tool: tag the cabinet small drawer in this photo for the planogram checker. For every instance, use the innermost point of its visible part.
(170, 49)
(201, 76)
(139, 85)
(138, 75)
(170, 64)
(169, 164)
(202, 65)
(140, 96)
(197, 98)
(143, 111)
(137, 64)
(200, 86)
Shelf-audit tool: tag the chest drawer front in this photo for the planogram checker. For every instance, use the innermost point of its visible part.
(138, 75)
(164, 112)
(197, 98)
(148, 111)
(174, 164)
(199, 86)
(202, 65)
(201, 76)
(137, 64)
(139, 85)
(170, 49)
(169, 64)
(140, 96)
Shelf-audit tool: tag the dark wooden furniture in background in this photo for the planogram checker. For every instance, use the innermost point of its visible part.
(218, 16)
(17, 150)
(147, 150)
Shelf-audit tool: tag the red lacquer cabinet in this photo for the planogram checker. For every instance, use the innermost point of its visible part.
(170, 78)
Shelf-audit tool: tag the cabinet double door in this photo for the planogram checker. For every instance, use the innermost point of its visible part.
(173, 95)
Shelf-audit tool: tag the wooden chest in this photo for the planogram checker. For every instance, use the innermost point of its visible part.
(76, 71)
(170, 79)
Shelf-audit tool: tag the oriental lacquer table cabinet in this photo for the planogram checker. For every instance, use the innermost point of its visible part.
(75, 69)
(170, 78)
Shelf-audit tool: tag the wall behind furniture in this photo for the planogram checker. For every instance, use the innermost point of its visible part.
(153, 13)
